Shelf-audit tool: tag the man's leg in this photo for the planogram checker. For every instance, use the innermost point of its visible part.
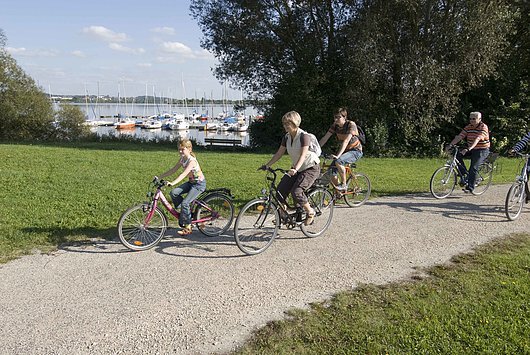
(347, 158)
(478, 156)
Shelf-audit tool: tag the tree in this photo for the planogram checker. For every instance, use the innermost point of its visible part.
(416, 58)
(399, 65)
(283, 52)
(70, 123)
(505, 96)
(25, 111)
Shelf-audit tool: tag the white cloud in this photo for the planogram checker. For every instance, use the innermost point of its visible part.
(178, 52)
(177, 48)
(79, 54)
(23, 52)
(164, 30)
(144, 65)
(120, 48)
(105, 34)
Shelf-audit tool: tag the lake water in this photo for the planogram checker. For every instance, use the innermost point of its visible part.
(198, 135)
(95, 112)
(109, 111)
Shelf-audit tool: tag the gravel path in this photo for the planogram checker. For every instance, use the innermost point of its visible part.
(200, 295)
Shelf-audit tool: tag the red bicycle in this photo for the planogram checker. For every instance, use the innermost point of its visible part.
(141, 227)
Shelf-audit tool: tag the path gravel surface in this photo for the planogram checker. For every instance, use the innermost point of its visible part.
(201, 295)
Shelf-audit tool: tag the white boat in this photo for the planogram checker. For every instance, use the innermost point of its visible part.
(212, 125)
(90, 123)
(179, 124)
(152, 124)
(228, 126)
(242, 127)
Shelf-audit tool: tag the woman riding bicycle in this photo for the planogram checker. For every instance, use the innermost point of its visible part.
(305, 167)
(195, 185)
(350, 149)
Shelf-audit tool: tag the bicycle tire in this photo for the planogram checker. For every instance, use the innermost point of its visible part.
(321, 201)
(483, 178)
(359, 189)
(515, 199)
(221, 212)
(443, 182)
(133, 232)
(256, 226)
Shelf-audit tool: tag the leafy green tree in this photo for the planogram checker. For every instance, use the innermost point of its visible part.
(505, 96)
(287, 53)
(70, 123)
(25, 111)
(399, 65)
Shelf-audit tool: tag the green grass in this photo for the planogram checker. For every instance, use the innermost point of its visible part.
(477, 305)
(57, 194)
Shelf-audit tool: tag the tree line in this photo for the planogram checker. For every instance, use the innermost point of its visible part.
(409, 71)
(26, 112)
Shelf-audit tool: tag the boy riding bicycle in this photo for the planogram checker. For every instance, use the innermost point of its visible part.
(350, 149)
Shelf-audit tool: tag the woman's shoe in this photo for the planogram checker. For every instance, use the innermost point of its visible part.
(185, 231)
(310, 218)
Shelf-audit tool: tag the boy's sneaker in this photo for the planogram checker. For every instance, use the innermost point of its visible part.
(342, 187)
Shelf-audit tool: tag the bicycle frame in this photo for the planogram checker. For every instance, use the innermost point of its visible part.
(454, 164)
(270, 196)
(524, 171)
(349, 169)
(159, 196)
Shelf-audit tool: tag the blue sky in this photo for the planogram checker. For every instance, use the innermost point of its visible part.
(122, 45)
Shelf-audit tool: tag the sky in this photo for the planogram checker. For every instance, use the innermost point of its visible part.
(129, 46)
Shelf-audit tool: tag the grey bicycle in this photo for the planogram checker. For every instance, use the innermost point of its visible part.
(516, 197)
(444, 179)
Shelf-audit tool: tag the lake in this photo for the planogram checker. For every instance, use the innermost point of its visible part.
(198, 135)
(96, 112)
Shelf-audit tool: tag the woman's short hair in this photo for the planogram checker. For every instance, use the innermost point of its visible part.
(293, 118)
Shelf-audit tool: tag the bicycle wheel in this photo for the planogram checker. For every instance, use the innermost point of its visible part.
(135, 234)
(256, 226)
(359, 188)
(443, 182)
(515, 201)
(483, 178)
(322, 202)
(217, 215)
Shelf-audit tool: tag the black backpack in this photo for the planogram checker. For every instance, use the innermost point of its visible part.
(361, 135)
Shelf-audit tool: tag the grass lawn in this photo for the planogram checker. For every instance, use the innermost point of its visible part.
(57, 194)
(480, 304)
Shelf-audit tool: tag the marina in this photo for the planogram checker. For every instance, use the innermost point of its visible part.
(213, 125)
(200, 136)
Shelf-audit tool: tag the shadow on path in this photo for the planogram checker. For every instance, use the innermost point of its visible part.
(452, 208)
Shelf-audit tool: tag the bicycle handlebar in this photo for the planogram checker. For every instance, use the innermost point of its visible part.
(158, 183)
(522, 155)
